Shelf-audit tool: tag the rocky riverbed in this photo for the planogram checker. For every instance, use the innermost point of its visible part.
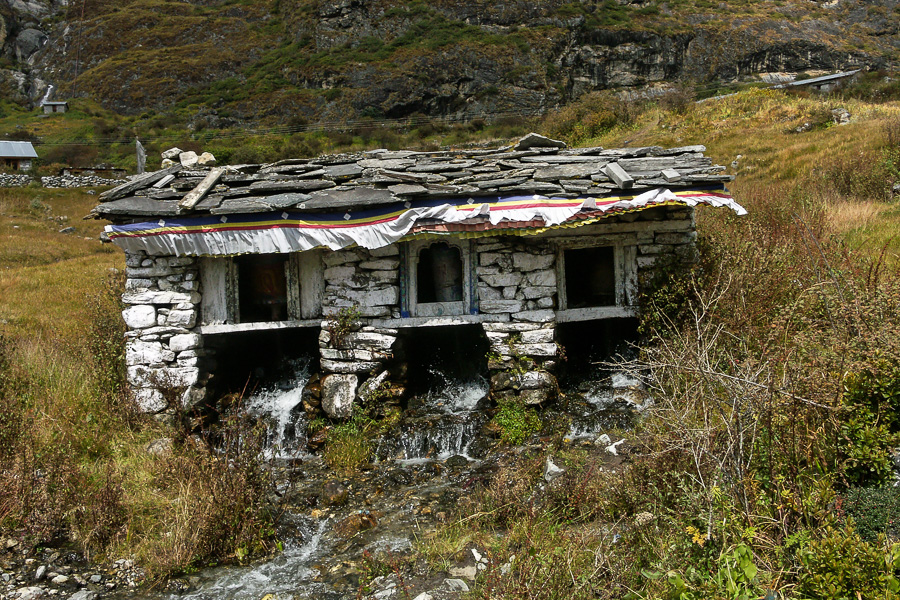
(359, 535)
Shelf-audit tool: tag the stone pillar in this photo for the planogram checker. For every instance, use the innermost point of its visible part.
(163, 347)
(361, 283)
(519, 279)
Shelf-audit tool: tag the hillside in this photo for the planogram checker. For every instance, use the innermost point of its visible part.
(215, 63)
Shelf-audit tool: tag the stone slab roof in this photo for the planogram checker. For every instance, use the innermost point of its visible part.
(534, 165)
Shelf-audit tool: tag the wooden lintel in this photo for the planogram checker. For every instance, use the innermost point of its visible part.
(197, 194)
(621, 178)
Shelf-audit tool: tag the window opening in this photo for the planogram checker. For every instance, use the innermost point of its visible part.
(590, 277)
(262, 288)
(439, 274)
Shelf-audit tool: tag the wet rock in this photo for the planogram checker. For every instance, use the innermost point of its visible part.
(535, 397)
(551, 471)
(354, 524)
(456, 585)
(335, 493)
(39, 574)
(457, 461)
(84, 595)
(30, 593)
(338, 394)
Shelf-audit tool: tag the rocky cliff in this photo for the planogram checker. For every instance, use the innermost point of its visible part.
(224, 61)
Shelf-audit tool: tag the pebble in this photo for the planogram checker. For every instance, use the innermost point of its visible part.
(59, 580)
(39, 574)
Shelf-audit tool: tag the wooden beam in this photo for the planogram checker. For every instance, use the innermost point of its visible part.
(622, 179)
(139, 182)
(196, 195)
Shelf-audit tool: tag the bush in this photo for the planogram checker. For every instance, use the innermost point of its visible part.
(841, 565)
(874, 511)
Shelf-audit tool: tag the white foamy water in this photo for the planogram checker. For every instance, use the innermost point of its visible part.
(285, 418)
(288, 575)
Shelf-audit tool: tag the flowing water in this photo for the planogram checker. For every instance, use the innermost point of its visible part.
(408, 492)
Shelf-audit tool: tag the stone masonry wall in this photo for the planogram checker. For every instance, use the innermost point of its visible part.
(518, 277)
(164, 350)
(354, 355)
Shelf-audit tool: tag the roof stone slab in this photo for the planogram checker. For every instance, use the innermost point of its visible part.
(354, 181)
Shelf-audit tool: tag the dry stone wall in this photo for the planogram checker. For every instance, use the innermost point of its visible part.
(164, 349)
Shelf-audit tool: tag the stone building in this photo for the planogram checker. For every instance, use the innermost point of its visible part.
(54, 107)
(358, 250)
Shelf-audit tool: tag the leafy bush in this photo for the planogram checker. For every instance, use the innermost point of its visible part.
(841, 565)
(874, 511)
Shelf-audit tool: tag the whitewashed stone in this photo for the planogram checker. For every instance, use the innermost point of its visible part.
(546, 277)
(510, 327)
(369, 298)
(334, 259)
(500, 306)
(538, 336)
(486, 292)
(389, 250)
(185, 341)
(502, 279)
(337, 366)
(532, 262)
(151, 297)
(182, 318)
(536, 380)
(143, 376)
(494, 258)
(546, 302)
(150, 400)
(371, 340)
(188, 159)
(139, 352)
(339, 274)
(351, 355)
(532, 293)
(536, 350)
(385, 264)
(338, 394)
(536, 316)
(140, 316)
(372, 384)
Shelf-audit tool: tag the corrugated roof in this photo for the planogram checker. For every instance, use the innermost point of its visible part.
(815, 80)
(17, 150)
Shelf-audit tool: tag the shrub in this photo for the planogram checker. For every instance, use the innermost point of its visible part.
(841, 565)
(516, 421)
(874, 511)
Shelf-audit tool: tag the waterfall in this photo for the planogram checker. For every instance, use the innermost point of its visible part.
(47, 94)
(280, 406)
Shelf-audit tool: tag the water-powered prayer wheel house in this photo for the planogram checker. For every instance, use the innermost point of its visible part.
(226, 263)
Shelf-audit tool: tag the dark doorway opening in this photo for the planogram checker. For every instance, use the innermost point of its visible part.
(249, 360)
(590, 277)
(587, 343)
(262, 287)
(439, 274)
(429, 356)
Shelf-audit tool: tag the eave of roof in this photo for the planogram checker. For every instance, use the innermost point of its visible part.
(10, 149)
(535, 165)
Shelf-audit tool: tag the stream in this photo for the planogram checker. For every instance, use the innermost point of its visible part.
(333, 525)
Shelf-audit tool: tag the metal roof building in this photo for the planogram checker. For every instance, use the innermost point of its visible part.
(17, 155)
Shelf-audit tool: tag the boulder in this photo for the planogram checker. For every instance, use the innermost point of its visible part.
(338, 394)
(140, 316)
(171, 153)
(335, 493)
(206, 160)
(188, 159)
